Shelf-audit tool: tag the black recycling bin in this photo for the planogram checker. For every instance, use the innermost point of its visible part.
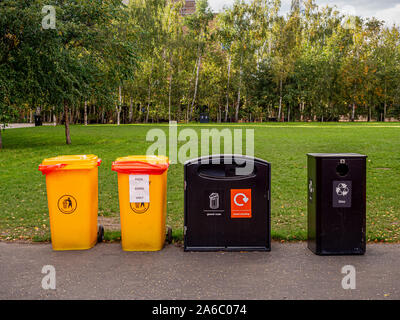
(227, 204)
(204, 118)
(38, 120)
(336, 203)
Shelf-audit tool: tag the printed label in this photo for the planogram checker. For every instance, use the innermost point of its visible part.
(140, 207)
(240, 203)
(214, 205)
(67, 204)
(341, 194)
(139, 190)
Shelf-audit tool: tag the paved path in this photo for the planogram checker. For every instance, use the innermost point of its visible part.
(289, 271)
(22, 125)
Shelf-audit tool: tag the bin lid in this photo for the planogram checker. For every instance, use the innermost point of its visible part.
(230, 157)
(141, 165)
(69, 162)
(336, 155)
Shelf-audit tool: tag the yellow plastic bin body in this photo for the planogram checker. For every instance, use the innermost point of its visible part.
(142, 189)
(72, 195)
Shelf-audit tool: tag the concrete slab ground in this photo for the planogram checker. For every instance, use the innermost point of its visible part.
(289, 271)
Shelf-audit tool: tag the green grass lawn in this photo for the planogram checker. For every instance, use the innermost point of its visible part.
(24, 214)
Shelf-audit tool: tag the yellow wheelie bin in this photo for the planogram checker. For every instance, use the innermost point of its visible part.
(72, 195)
(142, 189)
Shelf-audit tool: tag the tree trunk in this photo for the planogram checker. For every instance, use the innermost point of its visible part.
(240, 87)
(288, 115)
(384, 111)
(66, 115)
(195, 88)
(385, 105)
(188, 92)
(148, 102)
(302, 112)
(1, 140)
(169, 97)
(118, 115)
(237, 107)
(85, 116)
(149, 92)
(280, 100)
(130, 110)
(353, 112)
(119, 106)
(30, 116)
(54, 117)
(369, 113)
(227, 89)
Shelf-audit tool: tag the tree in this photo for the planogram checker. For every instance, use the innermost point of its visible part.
(198, 24)
(59, 67)
(247, 62)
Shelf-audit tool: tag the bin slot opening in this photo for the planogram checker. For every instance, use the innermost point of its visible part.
(223, 170)
(342, 169)
(215, 171)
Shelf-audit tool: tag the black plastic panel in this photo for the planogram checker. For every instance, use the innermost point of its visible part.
(209, 225)
(337, 209)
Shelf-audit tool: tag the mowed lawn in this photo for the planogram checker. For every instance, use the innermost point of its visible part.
(23, 203)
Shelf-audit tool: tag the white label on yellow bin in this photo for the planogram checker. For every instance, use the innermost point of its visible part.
(139, 191)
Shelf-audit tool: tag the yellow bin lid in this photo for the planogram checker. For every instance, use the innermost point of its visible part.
(141, 164)
(70, 162)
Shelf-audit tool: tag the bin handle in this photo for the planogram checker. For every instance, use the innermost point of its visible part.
(50, 168)
(134, 166)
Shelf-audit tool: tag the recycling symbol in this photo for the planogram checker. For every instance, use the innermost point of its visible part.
(342, 189)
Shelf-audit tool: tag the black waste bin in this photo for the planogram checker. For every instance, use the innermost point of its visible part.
(204, 118)
(38, 120)
(227, 204)
(336, 203)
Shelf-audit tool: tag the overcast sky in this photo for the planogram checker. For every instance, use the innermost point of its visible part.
(387, 10)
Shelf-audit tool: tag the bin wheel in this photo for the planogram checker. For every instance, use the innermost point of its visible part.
(169, 234)
(100, 234)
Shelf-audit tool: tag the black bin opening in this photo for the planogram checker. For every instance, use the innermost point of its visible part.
(342, 169)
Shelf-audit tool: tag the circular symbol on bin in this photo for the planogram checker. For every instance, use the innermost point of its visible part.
(342, 189)
(140, 207)
(67, 204)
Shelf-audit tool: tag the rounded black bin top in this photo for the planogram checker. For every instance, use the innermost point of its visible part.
(336, 155)
(222, 157)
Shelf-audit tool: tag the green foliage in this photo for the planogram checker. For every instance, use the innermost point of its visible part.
(312, 64)
(246, 62)
(85, 56)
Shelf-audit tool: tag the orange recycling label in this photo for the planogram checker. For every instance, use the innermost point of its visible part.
(240, 203)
